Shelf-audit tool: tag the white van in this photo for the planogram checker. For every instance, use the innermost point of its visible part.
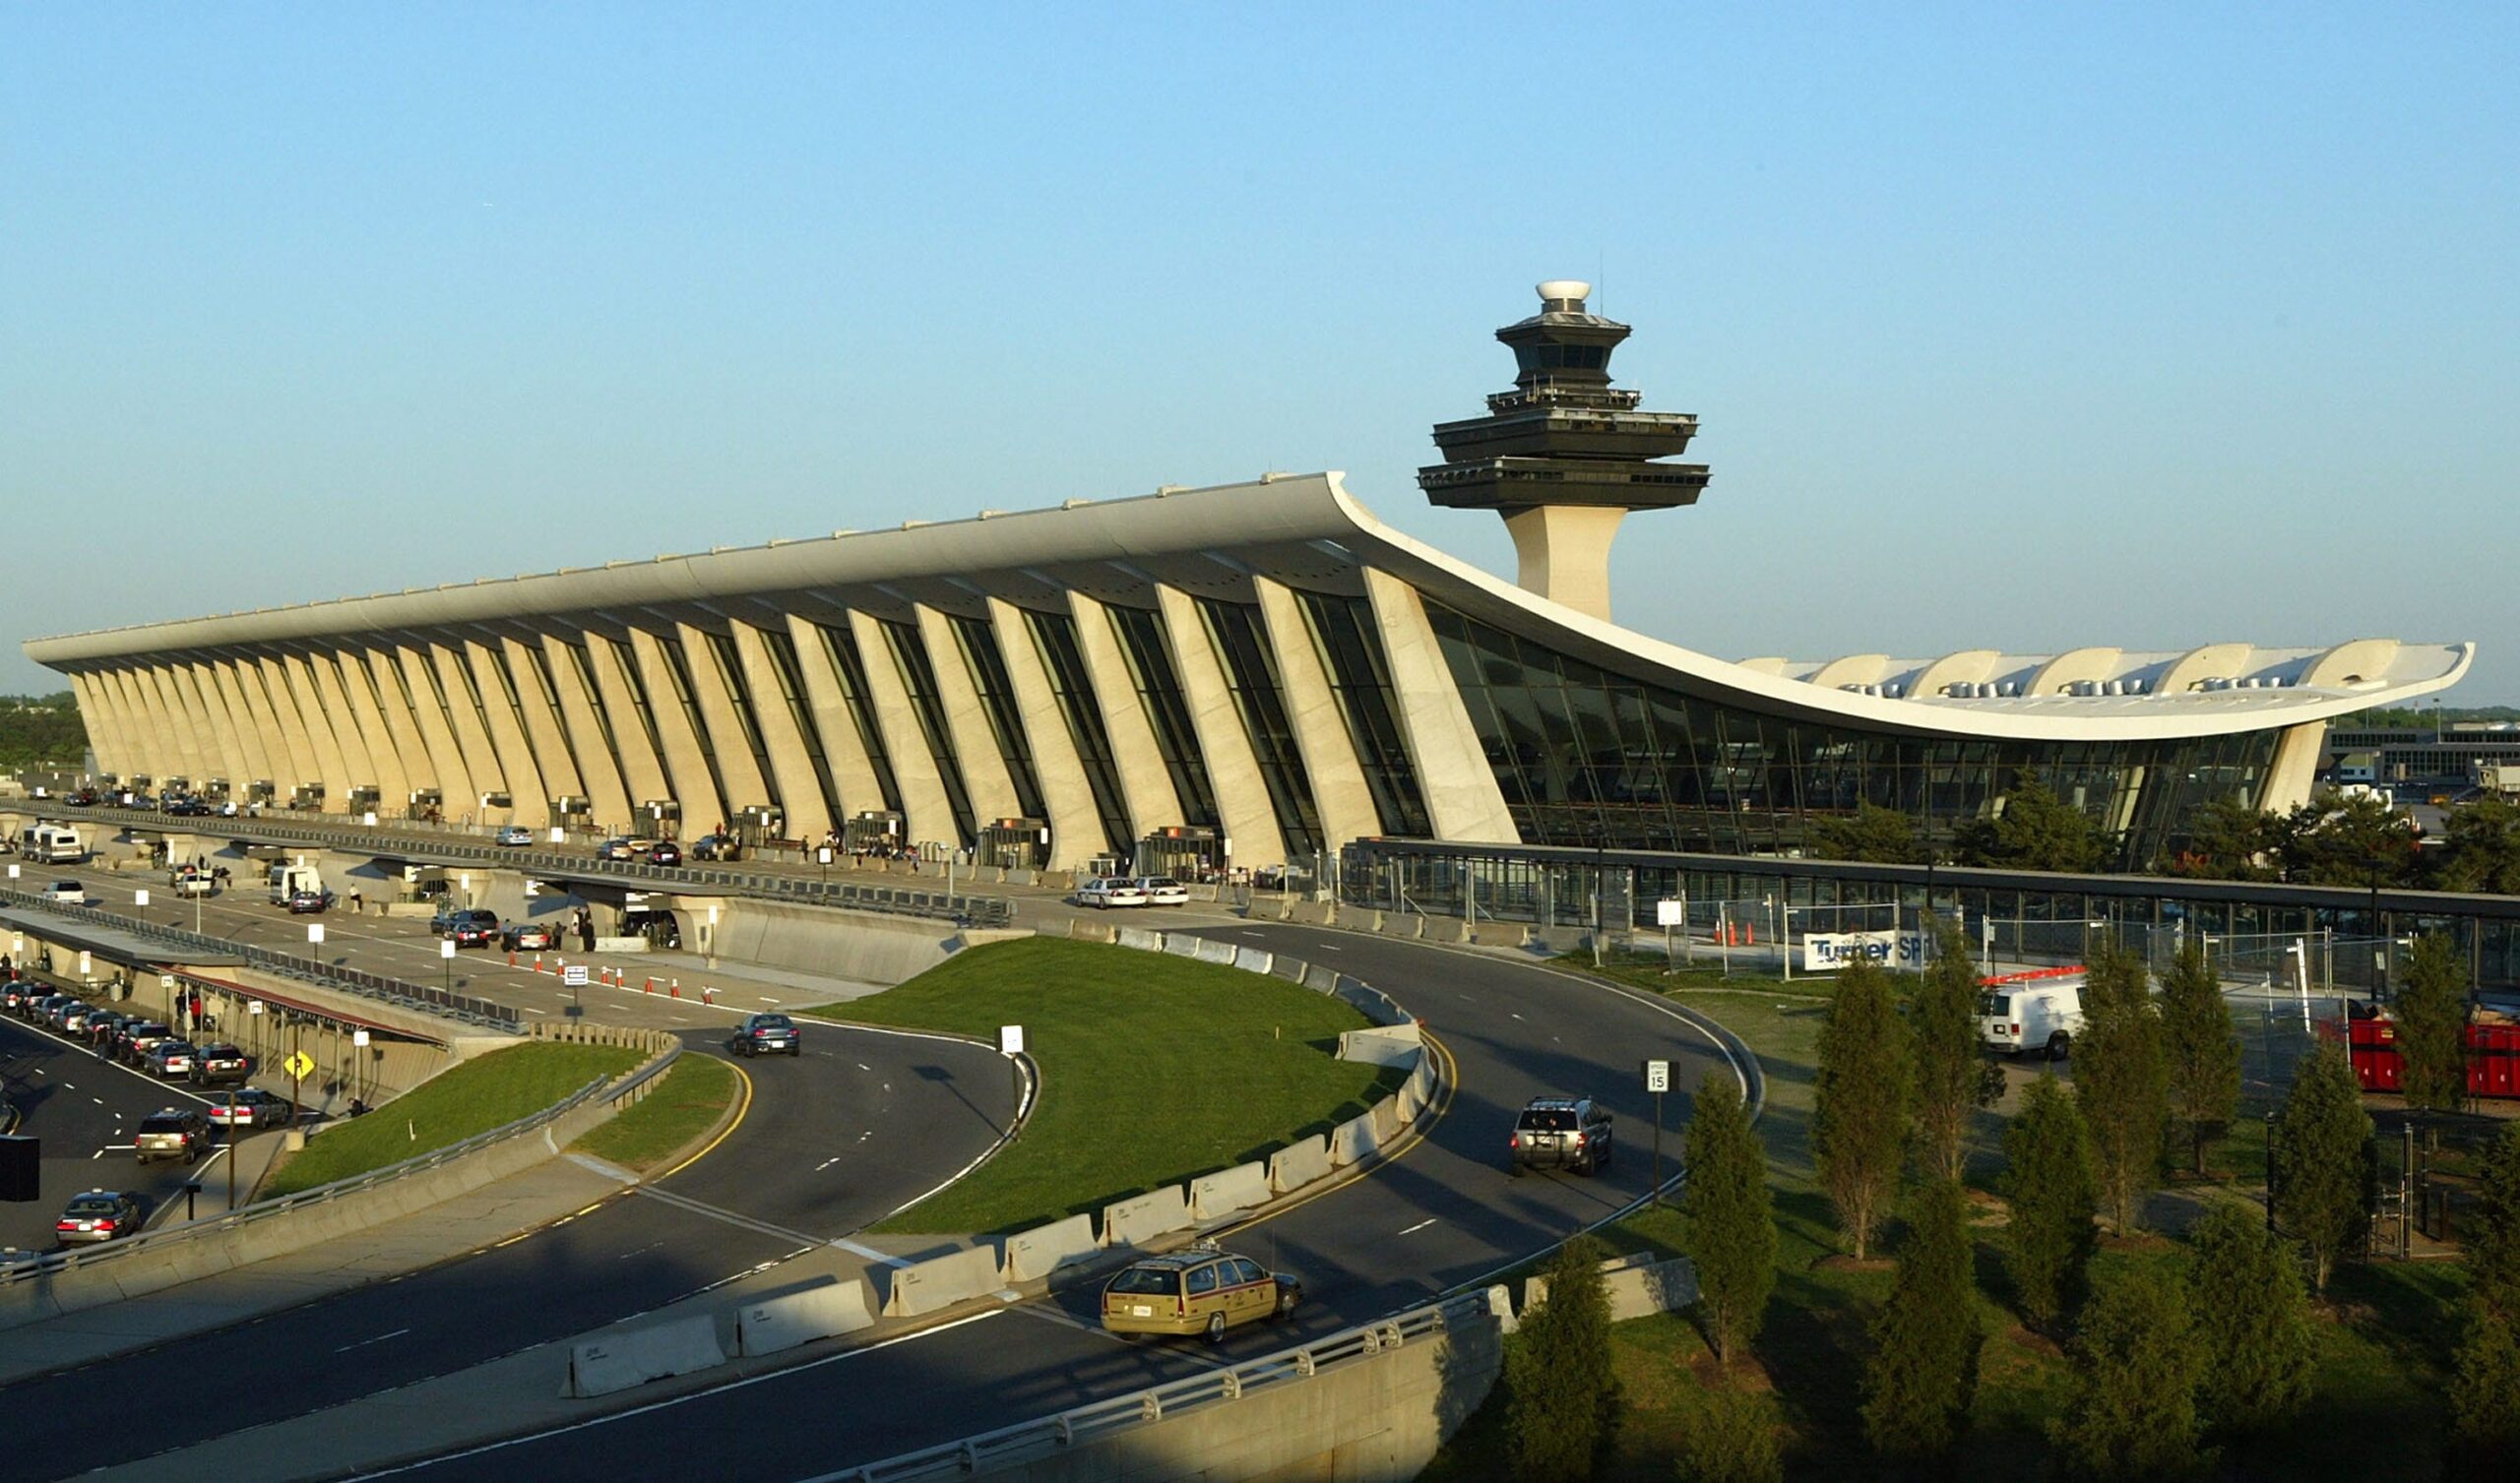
(288, 880)
(2041, 1010)
(52, 843)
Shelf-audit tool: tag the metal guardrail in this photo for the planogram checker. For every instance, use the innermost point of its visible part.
(465, 847)
(1048, 1435)
(377, 986)
(65, 1260)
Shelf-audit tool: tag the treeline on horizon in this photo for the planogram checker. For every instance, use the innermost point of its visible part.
(40, 728)
(2422, 718)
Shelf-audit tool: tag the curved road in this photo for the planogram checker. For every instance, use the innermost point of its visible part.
(1443, 1215)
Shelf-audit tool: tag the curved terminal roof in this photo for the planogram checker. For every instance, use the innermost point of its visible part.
(1307, 529)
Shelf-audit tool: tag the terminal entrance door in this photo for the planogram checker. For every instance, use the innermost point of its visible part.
(1184, 851)
(874, 832)
(1014, 843)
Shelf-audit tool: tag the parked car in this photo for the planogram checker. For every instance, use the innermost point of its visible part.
(761, 1034)
(74, 1018)
(195, 883)
(515, 835)
(38, 1009)
(1164, 890)
(472, 927)
(219, 1063)
(528, 937)
(15, 993)
(172, 1058)
(173, 1132)
(255, 1108)
(1561, 1132)
(307, 902)
(135, 1041)
(97, 1215)
(1198, 1290)
(58, 1014)
(717, 847)
(104, 1025)
(1104, 892)
(664, 852)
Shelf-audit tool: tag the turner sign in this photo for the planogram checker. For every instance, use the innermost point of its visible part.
(1827, 952)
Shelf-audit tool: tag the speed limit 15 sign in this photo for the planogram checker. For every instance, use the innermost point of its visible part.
(1658, 1075)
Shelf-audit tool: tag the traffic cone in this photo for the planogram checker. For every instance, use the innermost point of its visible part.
(708, 995)
(511, 957)
(537, 963)
(651, 986)
(677, 988)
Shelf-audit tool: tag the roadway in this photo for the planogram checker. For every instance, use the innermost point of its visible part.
(86, 1111)
(1444, 1214)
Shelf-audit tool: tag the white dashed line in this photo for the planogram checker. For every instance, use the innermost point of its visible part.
(363, 1343)
(1419, 1226)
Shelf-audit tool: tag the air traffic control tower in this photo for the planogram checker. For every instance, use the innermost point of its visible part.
(1564, 456)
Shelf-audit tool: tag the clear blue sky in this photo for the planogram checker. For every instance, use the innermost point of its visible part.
(2152, 327)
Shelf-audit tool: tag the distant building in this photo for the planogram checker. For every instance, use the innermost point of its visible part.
(1258, 672)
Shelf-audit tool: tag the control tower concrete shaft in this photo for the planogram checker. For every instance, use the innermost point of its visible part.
(1564, 456)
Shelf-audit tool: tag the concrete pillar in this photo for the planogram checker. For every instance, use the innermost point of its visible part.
(392, 735)
(792, 764)
(642, 772)
(1565, 553)
(365, 747)
(295, 742)
(853, 772)
(738, 772)
(203, 685)
(447, 771)
(253, 728)
(695, 785)
(184, 742)
(530, 799)
(545, 733)
(140, 723)
(992, 788)
(1462, 800)
(1338, 790)
(1076, 822)
(1242, 798)
(332, 755)
(926, 813)
(471, 736)
(1145, 781)
(2296, 761)
(104, 729)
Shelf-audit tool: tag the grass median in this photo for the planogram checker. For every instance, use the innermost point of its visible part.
(1154, 1069)
(485, 1093)
(695, 1093)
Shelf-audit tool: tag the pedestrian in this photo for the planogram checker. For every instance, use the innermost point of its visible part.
(585, 929)
(358, 902)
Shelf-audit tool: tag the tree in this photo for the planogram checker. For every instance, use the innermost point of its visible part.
(2138, 1362)
(2229, 841)
(2202, 1057)
(1562, 1395)
(2481, 848)
(1923, 1374)
(2121, 1080)
(2257, 1348)
(1884, 836)
(1953, 1077)
(1731, 1437)
(2322, 1160)
(2048, 1242)
(2492, 1231)
(1861, 1089)
(2034, 830)
(2348, 841)
(2484, 1397)
(1729, 1234)
(2432, 1025)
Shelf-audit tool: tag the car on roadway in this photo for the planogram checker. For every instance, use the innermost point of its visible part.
(227, 808)
(195, 883)
(614, 850)
(472, 927)
(255, 1108)
(172, 1058)
(664, 852)
(188, 808)
(179, 1133)
(1103, 892)
(135, 1041)
(763, 1034)
(1164, 890)
(1201, 1289)
(219, 1063)
(717, 847)
(13, 1258)
(74, 1018)
(15, 993)
(66, 893)
(43, 1004)
(523, 937)
(515, 835)
(97, 1215)
(307, 902)
(1561, 1132)
(58, 1013)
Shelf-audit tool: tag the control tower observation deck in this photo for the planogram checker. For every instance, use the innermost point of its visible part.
(1564, 456)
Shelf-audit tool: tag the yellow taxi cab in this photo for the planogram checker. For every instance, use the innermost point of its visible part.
(1198, 1290)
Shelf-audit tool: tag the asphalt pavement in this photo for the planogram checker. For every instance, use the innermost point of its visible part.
(86, 1111)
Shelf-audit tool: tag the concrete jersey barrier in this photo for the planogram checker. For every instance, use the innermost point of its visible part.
(1354, 1141)
(1397, 1045)
(635, 1356)
(1300, 1163)
(1035, 1254)
(923, 1287)
(799, 1317)
(1140, 1220)
(1244, 1187)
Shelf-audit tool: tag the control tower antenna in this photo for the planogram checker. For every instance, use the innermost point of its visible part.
(1564, 456)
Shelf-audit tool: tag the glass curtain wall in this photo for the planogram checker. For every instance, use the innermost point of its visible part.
(977, 641)
(919, 679)
(1251, 673)
(1148, 651)
(1342, 634)
(781, 651)
(1063, 662)
(840, 646)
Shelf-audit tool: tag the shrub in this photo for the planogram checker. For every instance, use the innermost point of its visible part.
(1562, 1399)
(2048, 1244)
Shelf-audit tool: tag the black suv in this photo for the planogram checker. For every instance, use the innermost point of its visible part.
(761, 1034)
(1562, 1132)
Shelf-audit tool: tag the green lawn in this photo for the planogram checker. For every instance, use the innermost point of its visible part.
(476, 1096)
(2384, 1334)
(695, 1093)
(1154, 1069)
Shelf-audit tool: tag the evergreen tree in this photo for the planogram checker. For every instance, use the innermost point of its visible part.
(2481, 847)
(2137, 1361)
(1729, 1233)
(2203, 1056)
(2348, 841)
(2229, 841)
(1861, 1090)
(2036, 830)
(1923, 1376)
(1562, 1397)
(1953, 1077)
(2048, 1242)
(2322, 1162)
(2432, 1025)
(2121, 1080)
(2484, 1399)
(2492, 1232)
(1884, 836)
(2257, 1345)
(1731, 1437)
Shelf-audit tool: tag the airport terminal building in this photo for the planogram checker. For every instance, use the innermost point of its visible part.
(1251, 674)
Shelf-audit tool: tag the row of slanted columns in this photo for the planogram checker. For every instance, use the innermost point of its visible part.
(624, 718)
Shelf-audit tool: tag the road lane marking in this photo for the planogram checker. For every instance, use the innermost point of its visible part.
(885, 1259)
(731, 1217)
(363, 1343)
(1419, 1226)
